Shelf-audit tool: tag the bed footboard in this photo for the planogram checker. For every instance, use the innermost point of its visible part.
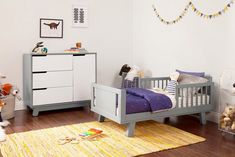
(194, 95)
(197, 98)
(108, 102)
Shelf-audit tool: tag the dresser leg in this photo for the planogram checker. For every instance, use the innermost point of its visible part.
(101, 118)
(35, 112)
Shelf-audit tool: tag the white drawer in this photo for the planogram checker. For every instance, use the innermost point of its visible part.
(52, 95)
(52, 63)
(53, 79)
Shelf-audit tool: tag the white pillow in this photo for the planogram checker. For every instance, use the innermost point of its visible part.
(190, 79)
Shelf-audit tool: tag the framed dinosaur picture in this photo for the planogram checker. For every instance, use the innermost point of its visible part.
(51, 28)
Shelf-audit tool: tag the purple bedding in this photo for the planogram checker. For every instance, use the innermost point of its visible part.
(142, 100)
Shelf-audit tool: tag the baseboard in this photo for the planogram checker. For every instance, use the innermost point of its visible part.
(213, 117)
(20, 106)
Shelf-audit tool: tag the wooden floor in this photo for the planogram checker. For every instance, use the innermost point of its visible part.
(216, 145)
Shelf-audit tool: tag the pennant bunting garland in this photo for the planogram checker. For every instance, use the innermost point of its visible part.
(195, 10)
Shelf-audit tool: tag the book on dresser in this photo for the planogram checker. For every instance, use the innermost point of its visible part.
(58, 80)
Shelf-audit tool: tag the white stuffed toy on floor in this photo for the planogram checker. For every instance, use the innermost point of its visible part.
(2, 124)
(2, 131)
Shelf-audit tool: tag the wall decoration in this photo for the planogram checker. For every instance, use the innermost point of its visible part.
(51, 28)
(80, 16)
(195, 10)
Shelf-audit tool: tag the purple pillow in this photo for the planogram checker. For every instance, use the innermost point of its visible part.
(199, 74)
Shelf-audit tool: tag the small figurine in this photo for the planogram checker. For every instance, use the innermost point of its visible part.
(39, 48)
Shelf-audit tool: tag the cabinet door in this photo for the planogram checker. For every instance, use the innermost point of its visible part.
(84, 68)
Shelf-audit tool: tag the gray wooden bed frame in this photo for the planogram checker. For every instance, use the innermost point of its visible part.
(109, 102)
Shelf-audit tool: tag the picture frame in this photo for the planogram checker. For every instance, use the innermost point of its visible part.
(51, 28)
(80, 16)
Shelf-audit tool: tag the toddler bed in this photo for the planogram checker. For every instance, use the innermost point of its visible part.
(112, 103)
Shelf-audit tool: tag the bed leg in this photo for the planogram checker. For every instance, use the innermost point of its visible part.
(130, 129)
(101, 118)
(166, 119)
(203, 118)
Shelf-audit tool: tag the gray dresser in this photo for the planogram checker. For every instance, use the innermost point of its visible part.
(58, 80)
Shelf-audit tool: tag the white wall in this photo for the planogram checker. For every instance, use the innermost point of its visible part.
(193, 44)
(122, 31)
(109, 34)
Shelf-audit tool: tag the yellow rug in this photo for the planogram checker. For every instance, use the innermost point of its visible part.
(150, 136)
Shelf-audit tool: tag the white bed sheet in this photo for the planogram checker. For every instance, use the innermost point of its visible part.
(185, 104)
(200, 101)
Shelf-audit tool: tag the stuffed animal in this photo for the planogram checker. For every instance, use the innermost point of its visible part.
(15, 92)
(6, 89)
(134, 72)
(227, 119)
(125, 69)
(1, 104)
(233, 126)
(3, 123)
(229, 111)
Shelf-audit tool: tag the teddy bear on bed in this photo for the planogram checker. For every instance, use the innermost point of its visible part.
(227, 119)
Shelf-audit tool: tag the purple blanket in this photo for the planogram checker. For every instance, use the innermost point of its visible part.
(142, 100)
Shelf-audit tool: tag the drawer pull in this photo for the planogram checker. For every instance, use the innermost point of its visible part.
(39, 55)
(79, 54)
(39, 89)
(40, 72)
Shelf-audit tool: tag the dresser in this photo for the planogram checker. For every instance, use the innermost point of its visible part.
(58, 80)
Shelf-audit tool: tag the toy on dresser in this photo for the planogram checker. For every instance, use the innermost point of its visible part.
(39, 48)
(227, 119)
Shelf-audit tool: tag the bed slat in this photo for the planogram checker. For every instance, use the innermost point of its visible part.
(206, 94)
(201, 96)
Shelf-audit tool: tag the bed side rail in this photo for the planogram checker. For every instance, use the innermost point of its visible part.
(155, 82)
(192, 95)
(109, 102)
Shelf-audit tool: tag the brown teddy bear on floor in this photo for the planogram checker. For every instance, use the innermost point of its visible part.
(227, 119)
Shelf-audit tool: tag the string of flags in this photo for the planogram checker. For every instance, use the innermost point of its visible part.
(195, 10)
